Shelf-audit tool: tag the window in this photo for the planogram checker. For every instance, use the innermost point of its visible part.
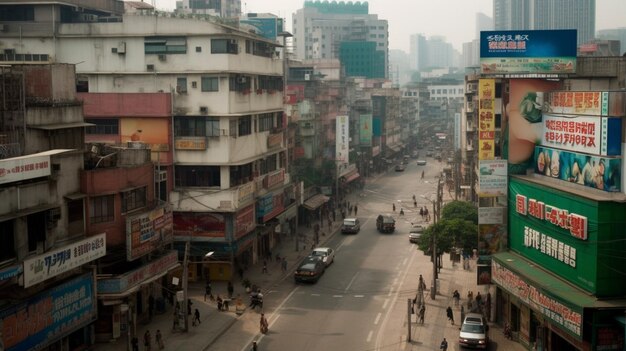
(248, 47)
(266, 122)
(101, 209)
(244, 125)
(181, 85)
(189, 126)
(18, 13)
(197, 176)
(68, 138)
(212, 126)
(36, 228)
(7, 236)
(224, 46)
(240, 174)
(233, 127)
(198, 48)
(134, 199)
(268, 165)
(263, 49)
(75, 220)
(103, 126)
(210, 84)
(165, 45)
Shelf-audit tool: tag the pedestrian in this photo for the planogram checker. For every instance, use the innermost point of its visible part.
(207, 291)
(189, 303)
(444, 345)
(264, 326)
(462, 314)
(401, 212)
(422, 313)
(135, 343)
(393, 206)
(450, 315)
(147, 340)
(479, 299)
(456, 296)
(150, 306)
(196, 317)
(356, 208)
(413, 197)
(230, 289)
(254, 348)
(284, 265)
(159, 340)
(414, 203)
(421, 285)
(220, 305)
(264, 267)
(422, 212)
(422, 174)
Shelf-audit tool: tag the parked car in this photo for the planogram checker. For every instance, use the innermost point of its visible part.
(310, 270)
(421, 162)
(415, 232)
(474, 331)
(414, 154)
(385, 224)
(351, 225)
(400, 168)
(325, 253)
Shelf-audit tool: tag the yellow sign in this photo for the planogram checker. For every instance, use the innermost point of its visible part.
(486, 119)
(191, 144)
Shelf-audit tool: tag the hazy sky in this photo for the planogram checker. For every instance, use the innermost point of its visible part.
(453, 19)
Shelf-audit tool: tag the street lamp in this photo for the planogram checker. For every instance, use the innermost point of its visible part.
(186, 284)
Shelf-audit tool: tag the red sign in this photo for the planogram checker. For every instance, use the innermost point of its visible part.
(275, 178)
(575, 223)
(201, 224)
(244, 221)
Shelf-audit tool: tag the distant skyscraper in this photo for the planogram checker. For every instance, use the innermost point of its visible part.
(322, 29)
(432, 52)
(547, 14)
(615, 34)
(483, 22)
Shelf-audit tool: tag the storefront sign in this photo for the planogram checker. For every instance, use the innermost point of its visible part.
(269, 206)
(190, 144)
(245, 193)
(64, 259)
(491, 239)
(550, 246)
(594, 103)
(575, 223)
(148, 231)
(592, 135)
(602, 173)
(562, 315)
(528, 51)
(365, 130)
(275, 140)
(486, 119)
(342, 139)
(492, 178)
(491, 215)
(274, 178)
(199, 224)
(24, 167)
(244, 221)
(10, 272)
(46, 317)
(133, 278)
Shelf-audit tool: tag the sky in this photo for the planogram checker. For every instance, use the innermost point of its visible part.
(453, 19)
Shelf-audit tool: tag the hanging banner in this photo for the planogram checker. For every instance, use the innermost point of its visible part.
(486, 119)
(365, 130)
(592, 103)
(342, 140)
(492, 178)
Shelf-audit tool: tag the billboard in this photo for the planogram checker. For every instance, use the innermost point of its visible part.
(57, 261)
(492, 178)
(20, 168)
(491, 215)
(486, 119)
(244, 221)
(591, 171)
(342, 140)
(491, 239)
(267, 27)
(528, 51)
(365, 130)
(588, 134)
(148, 231)
(154, 132)
(593, 103)
(48, 316)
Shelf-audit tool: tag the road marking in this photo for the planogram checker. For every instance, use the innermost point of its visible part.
(377, 318)
(272, 291)
(404, 261)
(315, 294)
(351, 281)
(337, 295)
(359, 295)
(385, 303)
(369, 336)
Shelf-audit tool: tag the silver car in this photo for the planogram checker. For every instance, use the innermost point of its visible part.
(474, 331)
(325, 253)
(415, 233)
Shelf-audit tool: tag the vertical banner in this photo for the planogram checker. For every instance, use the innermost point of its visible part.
(365, 130)
(486, 119)
(342, 141)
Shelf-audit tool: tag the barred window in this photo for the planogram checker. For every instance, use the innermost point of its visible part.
(101, 209)
(134, 199)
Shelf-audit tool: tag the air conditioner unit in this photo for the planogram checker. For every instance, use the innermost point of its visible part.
(150, 68)
(181, 89)
(162, 57)
(307, 76)
(121, 47)
(204, 109)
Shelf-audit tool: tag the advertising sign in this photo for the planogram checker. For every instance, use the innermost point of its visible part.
(199, 224)
(244, 221)
(46, 317)
(588, 134)
(267, 27)
(522, 126)
(269, 206)
(147, 231)
(491, 239)
(492, 178)
(486, 119)
(245, 193)
(591, 103)
(24, 167)
(528, 51)
(365, 130)
(591, 171)
(189, 143)
(342, 141)
(154, 132)
(54, 262)
(491, 215)
(567, 317)
(135, 277)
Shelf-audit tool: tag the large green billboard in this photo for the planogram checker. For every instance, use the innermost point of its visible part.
(365, 130)
(577, 238)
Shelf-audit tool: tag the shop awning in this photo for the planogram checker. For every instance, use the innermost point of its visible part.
(396, 148)
(315, 201)
(61, 125)
(352, 177)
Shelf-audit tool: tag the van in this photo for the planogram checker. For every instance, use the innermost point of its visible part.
(474, 331)
(385, 224)
(350, 225)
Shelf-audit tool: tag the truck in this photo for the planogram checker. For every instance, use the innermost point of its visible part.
(385, 224)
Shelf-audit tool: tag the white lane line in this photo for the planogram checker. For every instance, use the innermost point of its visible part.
(385, 303)
(377, 318)
(395, 281)
(337, 295)
(404, 261)
(369, 336)
(315, 294)
(351, 281)
(359, 295)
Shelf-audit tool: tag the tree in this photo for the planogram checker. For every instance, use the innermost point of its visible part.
(460, 210)
(458, 228)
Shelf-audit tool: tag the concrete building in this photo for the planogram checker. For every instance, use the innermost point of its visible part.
(433, 52)
(547, 14)
(614, 34)
(321, 28)
(220, 8)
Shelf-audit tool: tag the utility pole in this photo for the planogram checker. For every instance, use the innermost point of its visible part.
(435, 256)
(185, 286)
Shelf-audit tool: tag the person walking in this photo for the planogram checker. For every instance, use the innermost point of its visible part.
(196, 318)
(264, 326)
(422, 174)
(456, 296)
(450, 315)
(444, 345)
(356, 208)
(264, 270)
(159, 340)
(393, 206)
(283, 265)
(422, 313)
(230, 289)
(207, 291)
(135, 343)
(147, 340)
(422, 212)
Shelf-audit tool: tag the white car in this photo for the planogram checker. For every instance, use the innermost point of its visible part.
(415, 233)
(325, 253)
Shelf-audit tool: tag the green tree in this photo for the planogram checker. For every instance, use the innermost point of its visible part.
(460, 210)
(457, 228)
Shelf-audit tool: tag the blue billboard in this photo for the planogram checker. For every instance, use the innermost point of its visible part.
(268, 27)
(528, 51)
(48, 316)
